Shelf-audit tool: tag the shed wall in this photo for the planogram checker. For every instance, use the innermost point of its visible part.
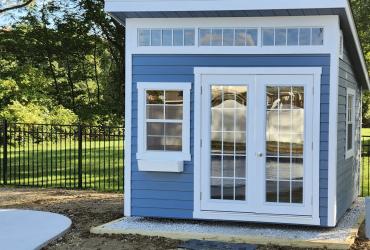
(347, 169)
(170, 195)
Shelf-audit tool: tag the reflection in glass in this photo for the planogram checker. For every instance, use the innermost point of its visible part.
(189, 37)
(144, 37)
(284, 142)
(228, 140)
(240, 37)
(216, 164)
(216, 188)
(216, 143)
(251, 37)
(216, 37)
(228, 37)
(317, 36)
(154, 97)
(228, 166)
(167, 37)
(156, 37)
(178, 37)
(284, 191)
(304, 36)
(268, 37)
(240, 189)
(284, 168)
(280, 37)
(173, 143)
(271, 191)
(271, 168)
(240, 166)
(228, 189)
(297, 192)
(292, 39)
(155, 142)
(297, 169)
(154, 111)
(205, 37)
(174, 112)
(155, 128)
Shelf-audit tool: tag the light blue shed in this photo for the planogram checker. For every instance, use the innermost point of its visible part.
(241, 110)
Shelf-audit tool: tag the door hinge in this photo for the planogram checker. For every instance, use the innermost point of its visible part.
(311, 200)
(201, 90)
(200, 196)
(312, 145)
(201, 142)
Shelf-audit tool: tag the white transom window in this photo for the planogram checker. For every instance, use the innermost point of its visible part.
(164, 121)
(350, 122)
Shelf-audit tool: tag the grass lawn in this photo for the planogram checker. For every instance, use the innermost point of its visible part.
(49, 164)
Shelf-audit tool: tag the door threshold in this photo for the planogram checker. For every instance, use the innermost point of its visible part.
(255, 217)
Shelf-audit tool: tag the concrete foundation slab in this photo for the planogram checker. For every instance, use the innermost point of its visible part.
(27, 229)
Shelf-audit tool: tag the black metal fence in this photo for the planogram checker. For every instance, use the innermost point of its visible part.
(365, 166)
(65, 156)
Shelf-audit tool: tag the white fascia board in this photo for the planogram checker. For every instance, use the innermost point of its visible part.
(217, 5)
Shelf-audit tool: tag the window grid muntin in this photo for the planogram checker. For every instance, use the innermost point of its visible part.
(164, 121)
(278, 155)
(222, 178)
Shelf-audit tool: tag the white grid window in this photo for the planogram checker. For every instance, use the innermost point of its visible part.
(292, 36)
(166, 37)
(228, 37)
(164, 118)
(284, 144)
(350, 122)
(164, 121)
(228, 142)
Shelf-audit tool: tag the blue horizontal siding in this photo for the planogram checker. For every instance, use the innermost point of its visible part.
(346, 186)
(170, 195)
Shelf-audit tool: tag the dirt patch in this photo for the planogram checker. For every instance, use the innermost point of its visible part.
(86, 209)
(89, 209)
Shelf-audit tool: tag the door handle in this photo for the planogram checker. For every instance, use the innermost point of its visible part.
(259, 154)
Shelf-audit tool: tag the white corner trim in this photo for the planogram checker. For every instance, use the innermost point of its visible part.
(333, 125)
(128, 122)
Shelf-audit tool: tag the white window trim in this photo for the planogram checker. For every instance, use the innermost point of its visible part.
(325, 22)
(350, 152)
(168, 156)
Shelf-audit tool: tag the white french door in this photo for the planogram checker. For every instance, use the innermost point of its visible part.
(256, 144)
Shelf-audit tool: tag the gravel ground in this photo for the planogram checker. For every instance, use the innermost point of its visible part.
(89, 209)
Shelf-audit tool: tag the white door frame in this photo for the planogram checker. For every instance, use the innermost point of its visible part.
(198, 213)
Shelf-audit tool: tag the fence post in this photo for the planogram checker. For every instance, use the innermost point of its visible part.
(5, 151)
(80, 156)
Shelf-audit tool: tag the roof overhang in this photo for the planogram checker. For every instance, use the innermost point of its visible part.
(122, 9)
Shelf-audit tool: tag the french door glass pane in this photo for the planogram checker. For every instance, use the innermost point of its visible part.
(228, 142)
(284, 144)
